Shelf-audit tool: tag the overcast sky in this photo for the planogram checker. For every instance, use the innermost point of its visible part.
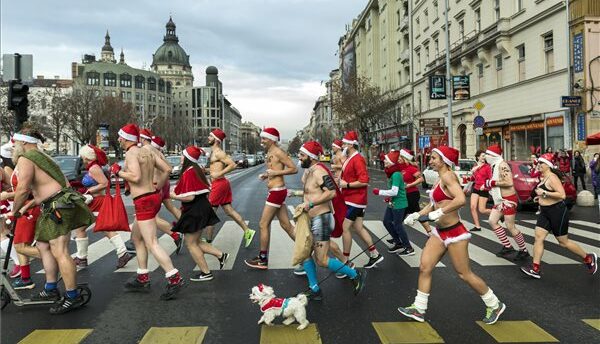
(271, 54)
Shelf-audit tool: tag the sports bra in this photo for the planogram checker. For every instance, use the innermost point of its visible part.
(543, 186)
(438, 195)
(88, 181)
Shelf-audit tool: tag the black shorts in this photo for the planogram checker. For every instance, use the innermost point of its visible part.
(353, 212)
(481, 193)
(413, 199)
(554, 218)
(321, 226)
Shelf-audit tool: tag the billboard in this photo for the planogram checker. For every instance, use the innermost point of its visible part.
(348, 63)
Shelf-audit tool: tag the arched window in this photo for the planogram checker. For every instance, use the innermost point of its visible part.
(151, 84)
(92, 78)
(140, 82)
(161, 85)
(110, 79)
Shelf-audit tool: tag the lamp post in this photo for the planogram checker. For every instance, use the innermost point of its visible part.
(448, 80)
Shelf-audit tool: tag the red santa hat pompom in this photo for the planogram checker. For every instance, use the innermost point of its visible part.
(313, 149)
(193, 153)
(146, 134)
(270, 134)
(448, 154)
(158, 142)
(392, 156)
(407, 154)
(337, 143)
(494, 150)
(351, 138)
(130, 132)
(218, 134)
(548, 159)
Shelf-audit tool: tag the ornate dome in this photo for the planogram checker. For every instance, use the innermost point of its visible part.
(212, 70)
(170, 52)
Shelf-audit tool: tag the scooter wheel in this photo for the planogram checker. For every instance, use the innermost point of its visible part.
(86, 293)
(5, 298)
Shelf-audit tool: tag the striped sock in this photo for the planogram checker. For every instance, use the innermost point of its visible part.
(520, 242)
(501, 234)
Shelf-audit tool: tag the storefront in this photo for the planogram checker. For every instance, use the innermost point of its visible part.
(394, 138)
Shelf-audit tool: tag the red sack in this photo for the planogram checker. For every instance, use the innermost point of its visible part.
(112, 215)
(339, 206)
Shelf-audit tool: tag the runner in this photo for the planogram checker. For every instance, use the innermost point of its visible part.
(479, 193)
(138, 171)
(412, 178)
(96, 182)
(319, 190)
(220, 195)
(5, 205)
(505, 204)
(395, 197)
(354, 182)
(553, 217)
(62, 210)
(279, 165)
(337, 160)
(196, 212)
(159, 143)
(450, 236)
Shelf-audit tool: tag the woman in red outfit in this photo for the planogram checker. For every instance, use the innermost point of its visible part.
(479, 197)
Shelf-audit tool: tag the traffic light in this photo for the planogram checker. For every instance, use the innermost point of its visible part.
(17, 101)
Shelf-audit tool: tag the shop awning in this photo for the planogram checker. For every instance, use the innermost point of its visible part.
(593, 139)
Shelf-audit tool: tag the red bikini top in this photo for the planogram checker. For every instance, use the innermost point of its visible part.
(438, 195)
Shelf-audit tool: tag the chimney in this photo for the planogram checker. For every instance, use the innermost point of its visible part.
(74, 73)
(57, 77)
(40, 77)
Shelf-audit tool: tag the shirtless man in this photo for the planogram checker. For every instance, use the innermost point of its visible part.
(279, 164)
(140, 164)
(220, 194)
(319, 190)
(62, 210)
(337, 160)
(505, 204)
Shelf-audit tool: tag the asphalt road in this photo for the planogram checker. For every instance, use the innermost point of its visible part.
(556, 304)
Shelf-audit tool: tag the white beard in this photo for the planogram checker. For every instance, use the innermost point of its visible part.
(18, 151)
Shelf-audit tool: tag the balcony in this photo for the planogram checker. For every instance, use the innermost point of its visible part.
(405, 56)
(404, 24)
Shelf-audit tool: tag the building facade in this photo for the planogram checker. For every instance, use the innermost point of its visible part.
(250, 138)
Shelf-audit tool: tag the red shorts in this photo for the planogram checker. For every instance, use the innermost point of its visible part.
(25, 229)
(96, 204)
(147, 205)
(451, 234)
(220, 192)
(166, 191)
(276, 197)
(508, 205)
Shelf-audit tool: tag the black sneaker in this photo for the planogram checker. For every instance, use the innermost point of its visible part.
(123, 260)
(222, 260)
(257, 263)
(178, 243)
(396, 248)
(505, 252)
(373, 261)
(202, 277)
(172, 290)
(409, 251)
(67, 304)
(475, 229)
(391, 241)
(314, 296)
(528, 270)
(359, 281)
(134, 285)
(592, 266)
(522, 255)
(47, 295)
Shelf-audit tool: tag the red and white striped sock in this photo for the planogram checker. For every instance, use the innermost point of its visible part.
(501, 234)
(520, 241)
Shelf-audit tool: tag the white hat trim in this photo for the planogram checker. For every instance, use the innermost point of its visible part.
(145, 137)
(311, 155)
(547, 162)
(406, 154)
(25, 138)
(185, 153)
(155, 145)
(269, 136)
(127, 136)
(215, 136)
(487, 151)
(446, 160)
(336, 146)
(350, 142)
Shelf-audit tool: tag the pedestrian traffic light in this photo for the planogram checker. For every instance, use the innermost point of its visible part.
(17, 101)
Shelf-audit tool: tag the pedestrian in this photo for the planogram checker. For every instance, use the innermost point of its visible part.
(579, 169)
(451, 236)
(554, 217)
(279, 164)
(564, 162)
(595, 170)
(412, 177)
(381, 160)
(397, 205)
(196, 212)
(479, 193)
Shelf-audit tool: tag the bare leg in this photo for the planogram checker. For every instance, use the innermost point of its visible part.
(347, 237)
(284, 221)
(172, 208)
(474, 203)
(48, 261)
(538, 246)
(571, 246)
(362, 232)
(235, 216)
(483, 209)
(265, 226)
(140, 248)
(60, 251)
(191, 242)
(163, 225)
(209, 249)
(433, 252)
(27, 250)
(148, 230)
(459, 255)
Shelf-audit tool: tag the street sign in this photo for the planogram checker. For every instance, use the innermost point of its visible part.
(8, 68)
(478, 131)
(478, 105)
(431, 122)
(570, 101)
(478, 121)
(437, 87)
(429, 131)
(461, 89)
(424, 142)
(581, 127)
(578, 53)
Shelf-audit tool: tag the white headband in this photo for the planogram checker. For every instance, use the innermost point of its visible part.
(336, 146)
(350, 142)
(25, 138)
(155, 145)
(489, 152)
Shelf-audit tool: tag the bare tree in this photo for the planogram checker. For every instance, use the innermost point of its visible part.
(7, 117)
(83, 107)
(294, 145)
(114, 112)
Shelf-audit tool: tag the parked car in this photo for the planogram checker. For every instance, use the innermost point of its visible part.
(524, 184)
(260, 158)
(251, 160)
(463, 169)
(241, 160)
(175, 162)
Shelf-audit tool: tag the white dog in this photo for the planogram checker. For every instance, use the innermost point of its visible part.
(292, 308)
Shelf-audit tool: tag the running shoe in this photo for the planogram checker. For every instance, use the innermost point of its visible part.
(299, 271)
(340, 275)
(593, 262)
(130, 246)
(222, 260)
(81, 263)
(373, 261)
(172, 290)
(391, 241)
(395, 249)
(123, 260)
(505, 252)
(20, 283)
(409, 251)
(178, 240)
(528, 270)
(248, 236)
(47, 295)
(67, 304)
(16, 271)
(492, 315)
(202, 277)
(134, 285)
(314, 295)
(412, 312)
(257, 263)
(359, 281)
(475, 229)
(522, 255)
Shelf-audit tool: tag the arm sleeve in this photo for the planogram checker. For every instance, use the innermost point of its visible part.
(363, 175)
(397, 182)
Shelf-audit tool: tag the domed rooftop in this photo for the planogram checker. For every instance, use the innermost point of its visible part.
(212, 70)
(170, 52)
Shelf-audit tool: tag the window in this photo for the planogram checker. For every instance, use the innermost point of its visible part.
(549, 52)
(125, 80)
(418, 26)
(435, 10)
(498, 59)
(436, 47)
(151, 84)
(461, 29)
(497, 9)
(518, 5)
(521, 61)
(110, 79)
(480, 70)
(426, 54)
(140, 82)
(92, 78)
(426, 19)
(478, 20)
(418, 62)
(161, 85)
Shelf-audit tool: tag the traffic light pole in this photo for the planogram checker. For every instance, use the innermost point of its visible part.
(17, 95)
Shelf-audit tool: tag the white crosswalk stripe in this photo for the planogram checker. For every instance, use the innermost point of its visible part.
(165, 241)
(228, 240)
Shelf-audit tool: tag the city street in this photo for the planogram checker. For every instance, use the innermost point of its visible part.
(551, 309)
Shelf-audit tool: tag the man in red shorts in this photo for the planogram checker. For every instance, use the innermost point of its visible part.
(220, 194)
(138, 171)
(279, 164)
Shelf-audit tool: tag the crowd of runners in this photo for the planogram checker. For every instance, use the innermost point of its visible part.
(48, 212)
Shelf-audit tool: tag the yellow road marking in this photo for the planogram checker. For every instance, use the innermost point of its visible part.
(595, 323)
(73, 336)
(523, 331)
(175, 335)
(281, 334)
(406, 332)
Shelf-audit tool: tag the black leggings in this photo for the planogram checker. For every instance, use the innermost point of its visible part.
(582, 178)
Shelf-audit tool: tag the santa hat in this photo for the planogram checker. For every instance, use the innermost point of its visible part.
(270, 134)
(312, 149)
(218, 134)
(6, 150)
(407, 154)
(448, 154)
(548, 159)
(146, 134)
(130, 132)
(392, 156)
(494, 150)
(157, 142)
(101, 158)
(337, 143)
(193, 153)
(351, 138)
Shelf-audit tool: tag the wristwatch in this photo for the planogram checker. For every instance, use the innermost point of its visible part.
(544, 194)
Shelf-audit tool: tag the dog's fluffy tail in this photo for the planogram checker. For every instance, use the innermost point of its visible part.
(303, 299)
